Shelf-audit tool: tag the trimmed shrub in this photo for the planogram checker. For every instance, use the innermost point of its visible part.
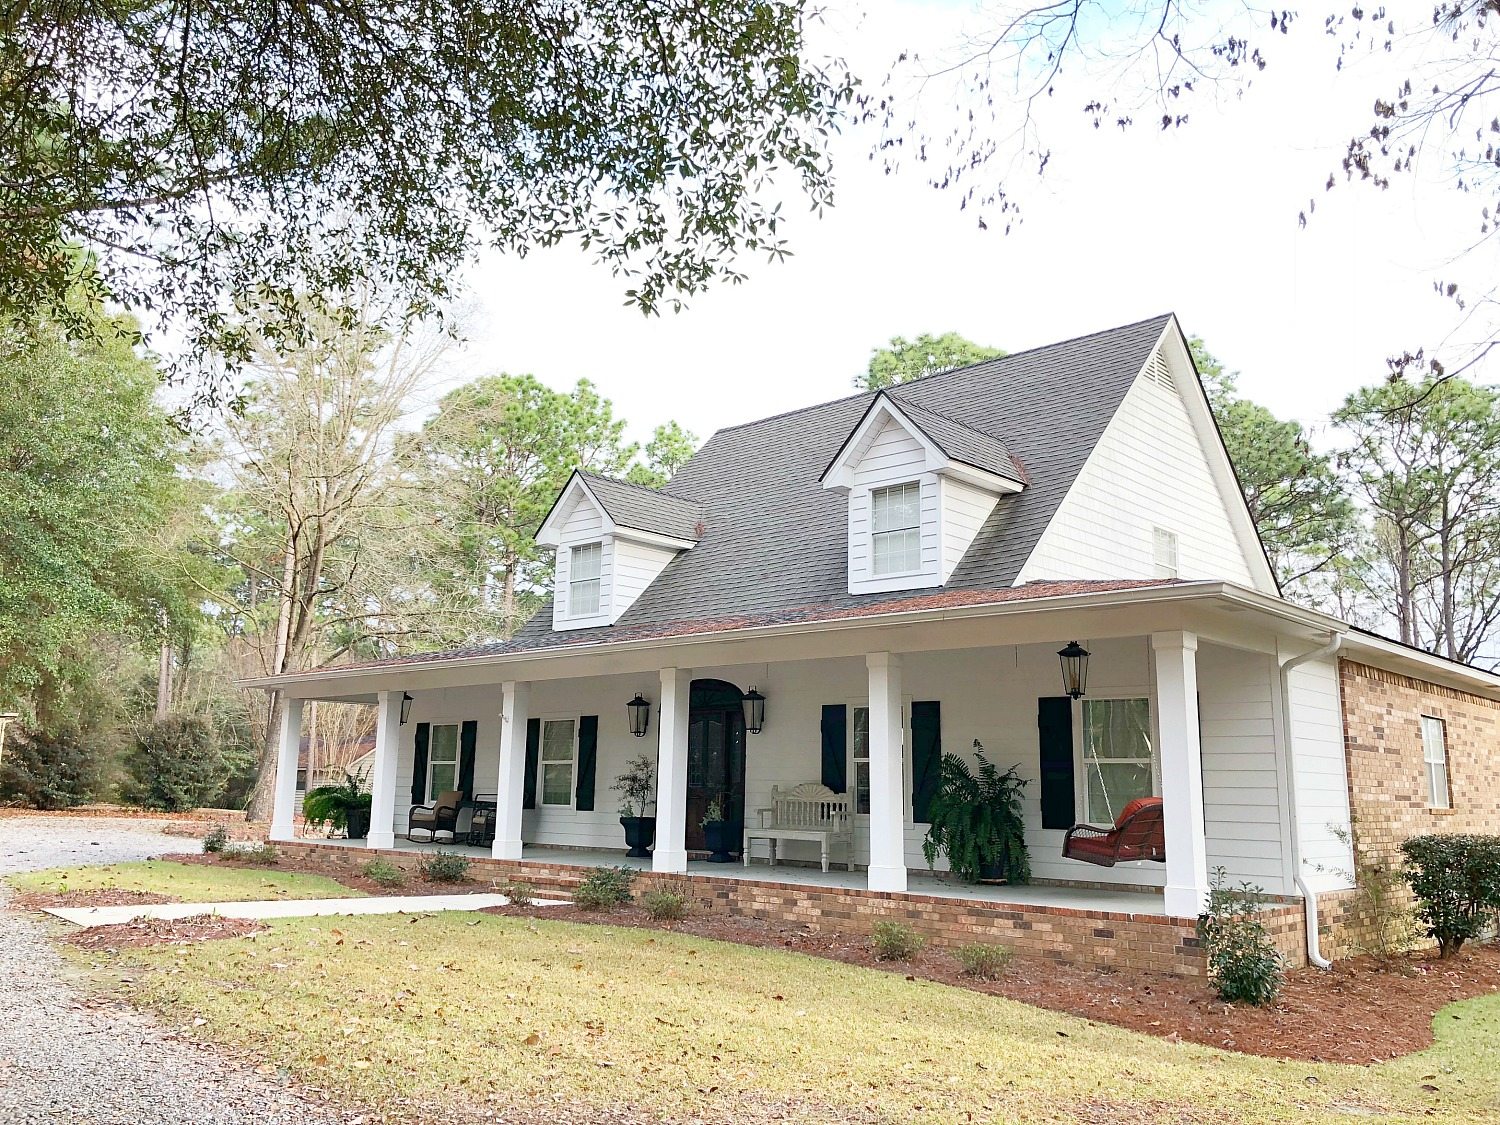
(519, 891)
(604, 888)
(174, 765)
(986, 962)
(384, 872)
(1242, 960)
(1457, 883)
(215, 840)
(445, 867)
(49, 771)
(896, 941)
(662, 905)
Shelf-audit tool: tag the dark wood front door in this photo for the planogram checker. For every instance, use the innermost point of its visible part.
(716, 755)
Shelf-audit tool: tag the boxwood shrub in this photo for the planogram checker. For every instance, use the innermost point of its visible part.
(1456, 879)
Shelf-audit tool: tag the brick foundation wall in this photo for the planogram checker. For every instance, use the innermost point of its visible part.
(1388, 782)
(1135, 941)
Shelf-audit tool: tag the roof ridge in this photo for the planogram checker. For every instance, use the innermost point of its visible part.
(638, 487)
(944, 374)
(920, 409)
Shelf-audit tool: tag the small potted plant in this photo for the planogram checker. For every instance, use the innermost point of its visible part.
(345, 806)
(637, 790)
(721, 834)
(975, 820)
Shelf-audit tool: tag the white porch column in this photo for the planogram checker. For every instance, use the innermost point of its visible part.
(671, 771)
(515, 711)
(887, 775)
(284, 807)
(383, 771)
(1176, 659)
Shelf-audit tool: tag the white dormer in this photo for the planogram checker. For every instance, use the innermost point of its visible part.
(612, 540)
(920, 487)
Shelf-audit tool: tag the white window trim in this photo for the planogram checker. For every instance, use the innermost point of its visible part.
(885, 575)
(906, 782)
(542, 763)
(458, 753)
(1428, 762)
(1171, 566)
(1080, 767)
(597, 580)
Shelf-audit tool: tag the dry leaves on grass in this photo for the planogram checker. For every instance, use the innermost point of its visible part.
(103, 896)
(162, 931)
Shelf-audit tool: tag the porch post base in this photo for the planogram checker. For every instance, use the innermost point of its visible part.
(1184, 902)
(889, 879)
(282, 833)
(380, 840)
(505, 849)
(674, 863)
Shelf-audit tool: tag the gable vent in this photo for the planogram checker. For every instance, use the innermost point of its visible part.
(1159, 373)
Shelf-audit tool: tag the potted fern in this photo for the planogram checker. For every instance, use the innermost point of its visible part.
(345, 806)
(975, 820)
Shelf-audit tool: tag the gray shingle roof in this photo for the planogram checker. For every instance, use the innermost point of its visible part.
(775, 540)
(963, 442)
(645, 509)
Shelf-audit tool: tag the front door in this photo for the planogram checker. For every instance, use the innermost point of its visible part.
(716, 755)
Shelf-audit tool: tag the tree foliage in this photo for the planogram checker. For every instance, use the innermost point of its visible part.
(175, 765)
(54, 769)
(902, 360)
(219, 156)
(668, 450)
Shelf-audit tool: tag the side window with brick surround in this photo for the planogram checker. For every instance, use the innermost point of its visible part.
(1435, 762)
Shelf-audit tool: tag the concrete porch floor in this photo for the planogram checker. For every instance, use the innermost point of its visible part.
(919, 882)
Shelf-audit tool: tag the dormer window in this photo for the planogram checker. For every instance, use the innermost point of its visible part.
(584, 569)
(897, 521)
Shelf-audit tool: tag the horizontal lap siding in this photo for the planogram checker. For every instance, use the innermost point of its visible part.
(583, 525)
(635, 566)
(1148, 470)
(1322, 775)
(965, 508)
(893, 457)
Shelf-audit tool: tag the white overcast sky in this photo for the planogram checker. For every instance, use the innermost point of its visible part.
(1201, 221)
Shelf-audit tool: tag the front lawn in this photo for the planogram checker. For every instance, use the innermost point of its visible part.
(503, 1013)
(183, 882)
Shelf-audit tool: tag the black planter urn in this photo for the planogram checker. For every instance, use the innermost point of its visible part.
(640, 834)
(992, 871)
(722, 837)
(357, 820)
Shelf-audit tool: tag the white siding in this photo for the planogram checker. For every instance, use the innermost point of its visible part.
(964, 510)
(585, 524)
(893, 456)
(1321, 772)
(636, 566)
(1148, 471)
(1243, 784)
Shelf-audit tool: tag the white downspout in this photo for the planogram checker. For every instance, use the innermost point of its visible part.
(1309, 896)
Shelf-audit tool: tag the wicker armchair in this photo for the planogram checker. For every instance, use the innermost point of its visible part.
(1138, 833)
(437, 822)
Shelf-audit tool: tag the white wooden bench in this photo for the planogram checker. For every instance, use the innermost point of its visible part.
(805, 812)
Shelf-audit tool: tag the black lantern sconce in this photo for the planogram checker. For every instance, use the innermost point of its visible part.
(755, 710)
(1075, 668)
(640, 715)
(405, 707)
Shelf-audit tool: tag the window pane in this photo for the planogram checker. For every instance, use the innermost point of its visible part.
(443, 745)
(586, 560)
(444, 779)
(862, 787)
(897, 507)
(557, 740)
(557, 783)
(1116, 728)
(583, 598)
(897, 552)
(860, 747)
(1113, 785)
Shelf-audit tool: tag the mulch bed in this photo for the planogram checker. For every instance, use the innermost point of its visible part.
(414, 885)
(1360, 1012)
(104, 896)
(162, 931)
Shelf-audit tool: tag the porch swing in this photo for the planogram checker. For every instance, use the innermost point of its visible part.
(1138, 833)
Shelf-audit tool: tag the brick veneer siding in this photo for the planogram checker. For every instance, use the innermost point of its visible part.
(1137, 941)
(1388, 781)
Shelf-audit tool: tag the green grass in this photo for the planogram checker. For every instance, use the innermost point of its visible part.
(491, 1012)
(186, 882)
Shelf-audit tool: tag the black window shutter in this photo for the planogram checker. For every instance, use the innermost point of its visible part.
(926, 755)
(836, 746)
(533, 753)
(588, 762)
(1054, 721)
(419, 765)
(467, 736)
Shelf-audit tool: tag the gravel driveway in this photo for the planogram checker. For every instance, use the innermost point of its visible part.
(65, 1057)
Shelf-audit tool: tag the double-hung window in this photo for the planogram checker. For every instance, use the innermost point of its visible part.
(442, 760)
(584, 566)
(859, 758)
(1435, 760)
(1164, 552)
(895, 514)
(1117, 764)
(558, 740)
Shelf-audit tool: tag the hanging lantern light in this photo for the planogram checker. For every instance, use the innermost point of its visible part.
(640, 715)
(405, 707)
(755, 710)
(1075, 668)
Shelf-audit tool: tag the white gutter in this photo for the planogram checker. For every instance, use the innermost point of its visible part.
(1309, 896)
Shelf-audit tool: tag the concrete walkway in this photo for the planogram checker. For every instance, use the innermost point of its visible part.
(284, 908)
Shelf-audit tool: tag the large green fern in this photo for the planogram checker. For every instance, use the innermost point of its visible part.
(330, 804)
(975, 819)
